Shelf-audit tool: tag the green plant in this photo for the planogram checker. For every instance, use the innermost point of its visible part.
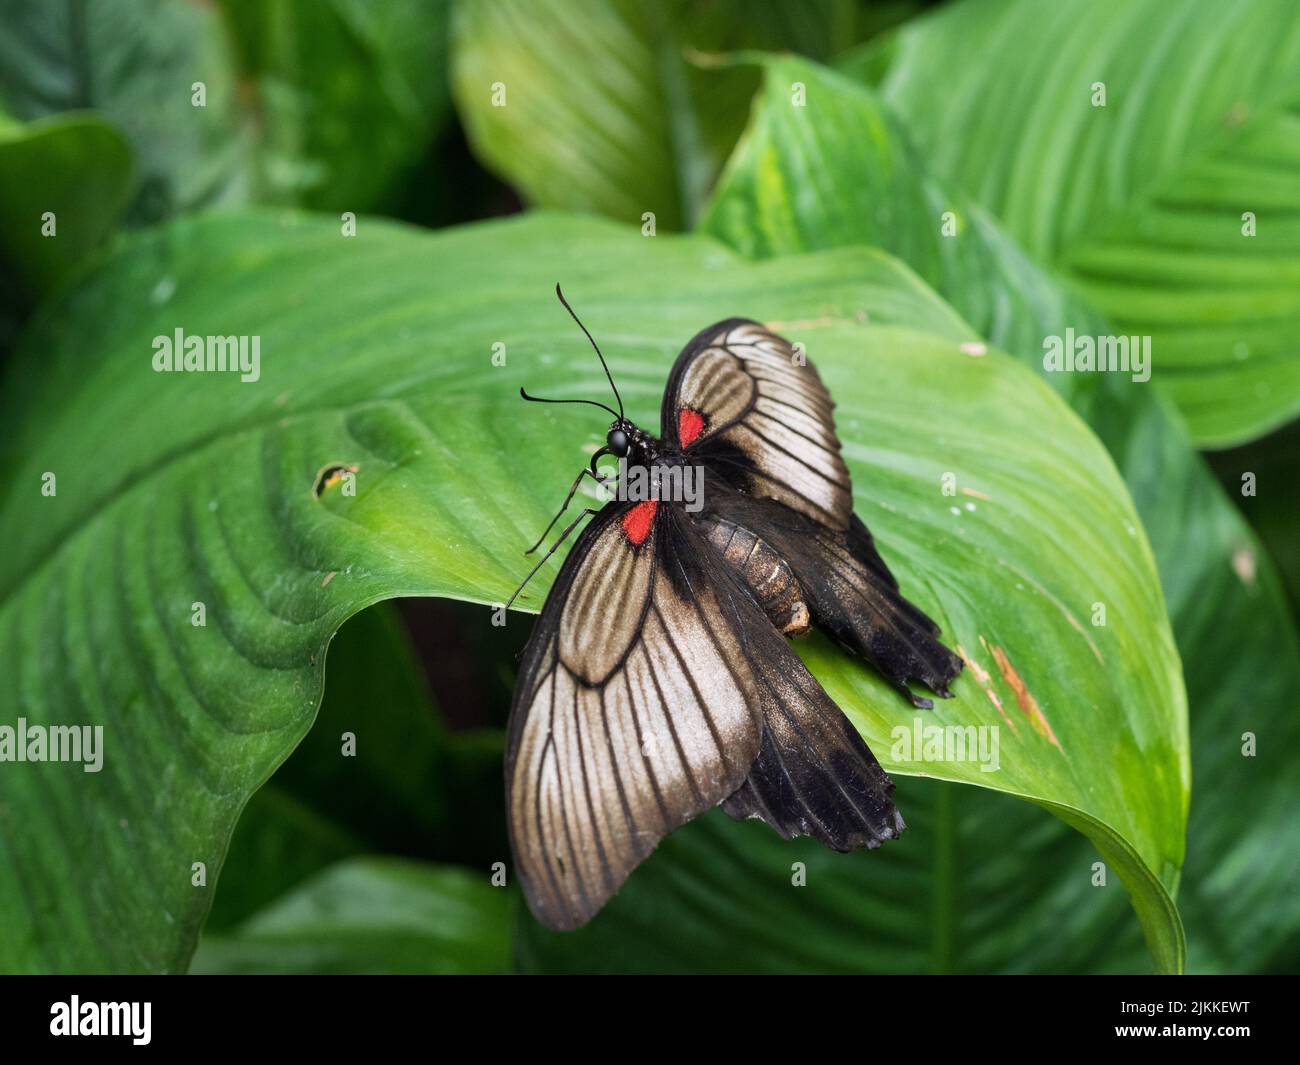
(181, 586)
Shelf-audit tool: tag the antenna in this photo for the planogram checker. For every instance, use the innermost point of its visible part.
(539, 399)
(594, 345)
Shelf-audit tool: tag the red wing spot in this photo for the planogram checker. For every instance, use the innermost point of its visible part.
(690, 424)
(638, 521)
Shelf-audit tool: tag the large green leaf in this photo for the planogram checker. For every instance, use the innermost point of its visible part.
(372, 916)
(77, 168)
(1141, 201)
(871, 188)
(837, 170)
(348, 93)
(378, 352)
(377, 773)
(1241, 663)
(135, 62)
(589, 105)
(616, 106)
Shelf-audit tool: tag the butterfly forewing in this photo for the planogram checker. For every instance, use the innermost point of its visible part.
(619, 738)
(740, 397)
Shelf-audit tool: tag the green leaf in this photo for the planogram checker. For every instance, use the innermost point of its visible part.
(135, 62)
(619, 107)
(837, 171)
(1142, 201)
(389, 791)
(406, 786)
(349, 93)
(1241, 664)
(585, 105)
(76, 167)
(177, 488)
(372, 915)
(871, 188)
(975, 884)
(1261, 475)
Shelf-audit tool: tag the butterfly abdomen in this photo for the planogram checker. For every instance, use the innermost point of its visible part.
(767, 575)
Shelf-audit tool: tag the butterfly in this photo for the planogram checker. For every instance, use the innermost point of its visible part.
(659, 681)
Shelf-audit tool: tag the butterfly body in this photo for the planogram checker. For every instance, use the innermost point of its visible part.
(659, 681)
(766, 574)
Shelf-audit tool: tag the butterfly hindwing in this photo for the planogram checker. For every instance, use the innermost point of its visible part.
(742, 400)
(814, 776)
(848, 590)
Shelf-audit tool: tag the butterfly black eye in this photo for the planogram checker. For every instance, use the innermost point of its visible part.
(618, 442)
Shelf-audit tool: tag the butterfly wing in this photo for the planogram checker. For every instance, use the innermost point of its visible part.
(633, 713)
(814, 776)
(848, 590)
(749, 406)
(741, 403)
(652, 688)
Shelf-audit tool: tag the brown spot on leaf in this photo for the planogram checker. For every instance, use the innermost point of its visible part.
(993, 698)
(330, 475)
(981, 674)
(1024, 697)
(982, 677)
(329, 577)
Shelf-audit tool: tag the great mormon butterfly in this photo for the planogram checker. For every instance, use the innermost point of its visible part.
(658, 682)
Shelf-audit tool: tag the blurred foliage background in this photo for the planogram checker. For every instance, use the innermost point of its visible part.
(618, 108)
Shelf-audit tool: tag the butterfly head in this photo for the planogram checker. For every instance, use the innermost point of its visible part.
(618, 439)
(625, 441)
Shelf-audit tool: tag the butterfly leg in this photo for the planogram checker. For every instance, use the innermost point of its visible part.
(554, 547)
(567, 499)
